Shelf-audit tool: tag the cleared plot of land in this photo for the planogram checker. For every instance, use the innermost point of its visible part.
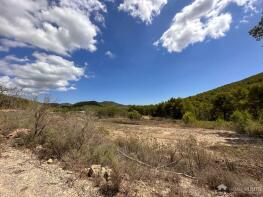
(171, 132)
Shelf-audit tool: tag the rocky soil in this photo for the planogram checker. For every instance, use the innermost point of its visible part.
(23, 175)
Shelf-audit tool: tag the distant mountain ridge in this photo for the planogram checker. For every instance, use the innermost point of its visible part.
(89, 103)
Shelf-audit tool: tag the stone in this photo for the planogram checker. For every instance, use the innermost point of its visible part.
(107, 174)
(17, 132)
(99, 171)
(94, 170)
(50, 161)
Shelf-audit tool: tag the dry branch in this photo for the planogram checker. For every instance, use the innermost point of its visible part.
(158, 168)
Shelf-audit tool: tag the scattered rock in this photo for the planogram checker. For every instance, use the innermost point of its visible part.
(99, 171)
(94, 170)
(21, 174)
(39, 148)
(50, 161)
(16, 133)
(165, 192)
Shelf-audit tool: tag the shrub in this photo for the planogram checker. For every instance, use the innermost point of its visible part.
(244, 123)
(11, 120)
(111, 112)
(134, 115)
(254, 128)
(215, 177)
(189, 118)
(241, 120)
(194, 157)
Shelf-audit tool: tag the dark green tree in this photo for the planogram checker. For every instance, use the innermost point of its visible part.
(255, 100)
(223, 106)
(257, 31)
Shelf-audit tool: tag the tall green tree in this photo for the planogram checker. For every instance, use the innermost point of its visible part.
(223, 106)
(255, 100)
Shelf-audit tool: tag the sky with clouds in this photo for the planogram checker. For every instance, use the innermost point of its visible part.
(128, 51)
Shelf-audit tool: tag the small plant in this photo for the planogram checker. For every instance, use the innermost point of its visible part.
(215, 177)
(189, 118)
(134, 115)
(40, 119)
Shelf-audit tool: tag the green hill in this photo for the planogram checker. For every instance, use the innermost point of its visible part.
(244, 95)
(244, 84)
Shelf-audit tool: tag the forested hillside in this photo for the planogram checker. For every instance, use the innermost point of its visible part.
(220, 103)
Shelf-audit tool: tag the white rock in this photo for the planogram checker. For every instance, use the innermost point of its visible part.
(50, 161)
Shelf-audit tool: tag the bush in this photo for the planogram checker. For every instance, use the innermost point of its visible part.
(189, 118)
(111, 112)
(215, 177)
(134, 115)
(74, 140)
(241, 120)
(254, 128)
(244, 123)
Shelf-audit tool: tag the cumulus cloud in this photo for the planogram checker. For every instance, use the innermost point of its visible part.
(145, 10)
(57, 26)
(60, 27)
(39, 74)
(200, 20)
(110, 55)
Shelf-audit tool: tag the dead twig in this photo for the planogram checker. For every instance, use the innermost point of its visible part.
(158, 168)
(133, 159)
(173, 163)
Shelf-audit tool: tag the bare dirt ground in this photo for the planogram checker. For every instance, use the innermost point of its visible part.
(22, 174)
(171, 132)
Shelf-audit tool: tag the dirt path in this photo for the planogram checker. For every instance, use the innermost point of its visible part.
(22, 175)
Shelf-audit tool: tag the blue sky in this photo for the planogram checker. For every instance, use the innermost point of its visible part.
(126, 66)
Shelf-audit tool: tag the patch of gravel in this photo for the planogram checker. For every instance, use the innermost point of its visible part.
(22, 174)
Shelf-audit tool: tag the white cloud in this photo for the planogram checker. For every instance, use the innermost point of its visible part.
(145, 10)
(110, 55)
(61, 27)
(6, 44)
(39, 74)
(200, 20)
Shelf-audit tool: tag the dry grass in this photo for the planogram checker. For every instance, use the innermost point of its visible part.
(78, 142)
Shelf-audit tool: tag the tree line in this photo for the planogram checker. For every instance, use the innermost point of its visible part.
(221, 103)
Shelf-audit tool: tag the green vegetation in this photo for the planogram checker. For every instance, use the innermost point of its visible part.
(134, 115)
(104, 109)
(189, 118)
(257, 31)
(241, 120)
(245, 96)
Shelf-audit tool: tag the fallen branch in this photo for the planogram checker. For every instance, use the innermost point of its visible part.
(173, 163)
(158, 168)
(133, 159)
